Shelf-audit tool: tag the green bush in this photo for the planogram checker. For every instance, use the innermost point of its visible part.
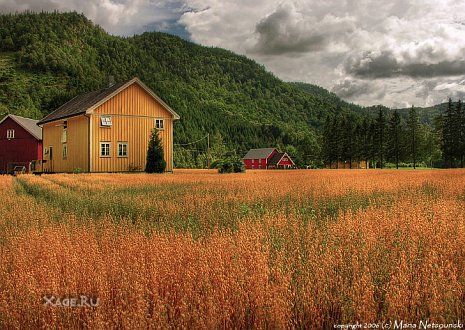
(230, 164)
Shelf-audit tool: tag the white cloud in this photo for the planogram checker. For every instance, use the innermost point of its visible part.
(400, 43)
(120, 17)
(406, 51)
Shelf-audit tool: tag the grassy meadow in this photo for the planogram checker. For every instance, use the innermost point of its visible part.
(265, 249)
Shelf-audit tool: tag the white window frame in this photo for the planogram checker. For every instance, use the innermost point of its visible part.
(64, 150)
(120, 144)
(102, 155)
(64, 135)
(160, 124)
(106, 121)
(10, 134)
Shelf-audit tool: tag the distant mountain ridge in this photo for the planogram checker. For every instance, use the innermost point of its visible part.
(48, 58)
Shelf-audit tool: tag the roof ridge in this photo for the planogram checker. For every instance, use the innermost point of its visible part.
(28, 124)
(83, 103)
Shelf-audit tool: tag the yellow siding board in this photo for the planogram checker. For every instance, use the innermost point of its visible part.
(77, 142)
(133, 113)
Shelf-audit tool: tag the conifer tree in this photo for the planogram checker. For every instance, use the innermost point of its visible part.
(155, 156)
(366, 140)
(327, 151)
(394, 146)
(336, 140)
(447, 135)
(413, 135)
(348, 140)
(380, 136)
(457, 133)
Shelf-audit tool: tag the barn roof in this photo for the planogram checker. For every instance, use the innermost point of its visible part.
(259, 153)
(277, 158)
(30, 125)
(85, 103)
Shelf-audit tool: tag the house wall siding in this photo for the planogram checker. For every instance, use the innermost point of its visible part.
(77, 142)
(133, 112)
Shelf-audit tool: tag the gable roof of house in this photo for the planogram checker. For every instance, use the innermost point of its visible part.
(259, 153)
(30, 125)
(86, 103)
(277, 158)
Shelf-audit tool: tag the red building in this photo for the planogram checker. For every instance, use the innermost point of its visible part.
(20, 142)
(267, 158)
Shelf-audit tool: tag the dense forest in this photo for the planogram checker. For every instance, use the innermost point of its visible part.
(48, 58)
(392, 140)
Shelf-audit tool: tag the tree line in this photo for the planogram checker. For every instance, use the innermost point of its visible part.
(384, 140)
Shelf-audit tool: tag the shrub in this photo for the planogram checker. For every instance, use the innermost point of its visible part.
(230, 164)
(155, 156)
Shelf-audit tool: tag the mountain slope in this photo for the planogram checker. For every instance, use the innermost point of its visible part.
(48, 58)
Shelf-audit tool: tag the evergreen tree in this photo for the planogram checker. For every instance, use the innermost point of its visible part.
(457, 133)
(349, 140)
(366, 140)
(372, 142)
(155, 156)
(381, 136)
(218, 148)
(327, 151)
(394, 145)
(336, 140)
(447, 135)
(413, 135)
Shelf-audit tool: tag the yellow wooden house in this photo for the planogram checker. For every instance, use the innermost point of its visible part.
(107, 130)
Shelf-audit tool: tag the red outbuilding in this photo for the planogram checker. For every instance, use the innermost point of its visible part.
(20, 143)
(267, 158)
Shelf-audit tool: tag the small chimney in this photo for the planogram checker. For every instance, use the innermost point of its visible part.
(111, 80)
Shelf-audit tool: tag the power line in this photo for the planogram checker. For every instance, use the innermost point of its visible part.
(208, 146)
(186, 144)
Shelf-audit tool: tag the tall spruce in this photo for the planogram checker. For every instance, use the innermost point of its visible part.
(394, 144)
(413, 126)
(327, 151)
(155, 156)
(457, 133)
(373, 142)
(336, 140)
(347, 139)
(447, 135)
(366, 140)
(381, 137)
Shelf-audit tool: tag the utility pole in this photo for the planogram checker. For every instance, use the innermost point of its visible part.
(208, 150)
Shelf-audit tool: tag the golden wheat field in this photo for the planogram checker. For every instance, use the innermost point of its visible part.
(265, 249)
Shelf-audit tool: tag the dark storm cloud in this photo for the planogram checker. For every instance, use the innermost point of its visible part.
(386, 65)
(286, 31)
(277, 35)
(120, 17)
(351, 89)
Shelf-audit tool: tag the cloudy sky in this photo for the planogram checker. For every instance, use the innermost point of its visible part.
(391, 52)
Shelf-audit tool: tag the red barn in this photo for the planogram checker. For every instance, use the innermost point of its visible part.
(265, 158)
(20, 142)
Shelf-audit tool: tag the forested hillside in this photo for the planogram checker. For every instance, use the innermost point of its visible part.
(48, 58)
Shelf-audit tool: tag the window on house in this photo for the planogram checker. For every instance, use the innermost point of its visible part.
(104, 149)
(105, 121)
(10, 133)
(65, 151)
(159, 123)
(122, 149)
(64, 135)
